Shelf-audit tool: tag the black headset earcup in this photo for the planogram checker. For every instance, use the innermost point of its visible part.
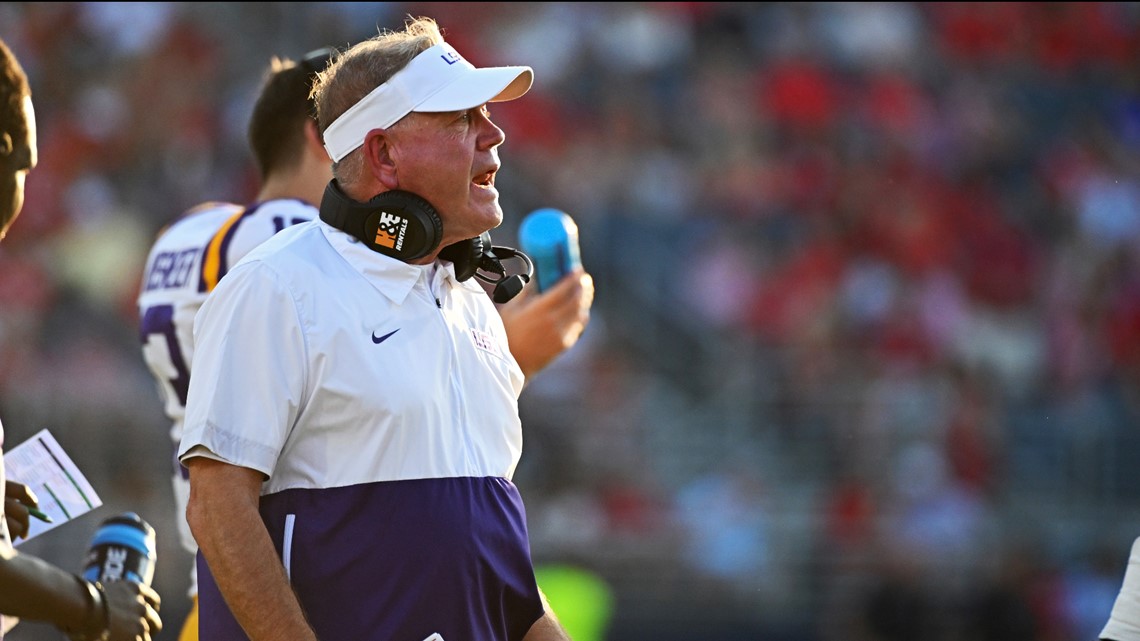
(395, 223)
(467, 255)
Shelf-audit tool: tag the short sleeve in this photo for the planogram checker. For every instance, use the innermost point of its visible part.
(248, 372)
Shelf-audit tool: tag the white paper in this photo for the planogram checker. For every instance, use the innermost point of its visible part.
(62, 490)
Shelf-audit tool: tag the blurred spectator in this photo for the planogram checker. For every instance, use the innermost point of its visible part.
(726, 520)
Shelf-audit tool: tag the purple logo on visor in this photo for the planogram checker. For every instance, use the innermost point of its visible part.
(450, 57)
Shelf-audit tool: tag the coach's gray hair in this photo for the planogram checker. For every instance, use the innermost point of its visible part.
(362, 68)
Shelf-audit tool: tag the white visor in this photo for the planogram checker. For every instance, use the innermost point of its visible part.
(436, 80)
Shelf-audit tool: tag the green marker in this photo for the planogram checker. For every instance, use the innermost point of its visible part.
(39, 515)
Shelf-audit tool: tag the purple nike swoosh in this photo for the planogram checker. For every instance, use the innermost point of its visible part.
(380, 339)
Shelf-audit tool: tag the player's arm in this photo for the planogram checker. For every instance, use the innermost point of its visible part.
(35, 590)
(542, 326)
(224, 518)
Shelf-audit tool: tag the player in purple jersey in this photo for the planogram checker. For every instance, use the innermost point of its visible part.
(31, 588)
(191, 256)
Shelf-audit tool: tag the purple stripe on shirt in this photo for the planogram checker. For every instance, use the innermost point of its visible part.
(399, 560)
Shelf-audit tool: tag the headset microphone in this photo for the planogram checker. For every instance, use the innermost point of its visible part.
(477, 257)
(508, 287)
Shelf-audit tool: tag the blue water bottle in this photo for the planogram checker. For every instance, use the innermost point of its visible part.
(123, 548)
(550, 237)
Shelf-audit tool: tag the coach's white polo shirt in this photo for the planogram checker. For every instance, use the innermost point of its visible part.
(380, 400)
(184, 265)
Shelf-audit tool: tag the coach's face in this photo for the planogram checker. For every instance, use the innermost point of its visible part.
(17, 158)
(451, 160)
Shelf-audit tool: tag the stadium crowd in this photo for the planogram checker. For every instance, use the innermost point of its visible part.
(865, 353)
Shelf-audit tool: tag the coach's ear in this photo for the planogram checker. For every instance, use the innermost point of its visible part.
(378, 154)
(5, 144)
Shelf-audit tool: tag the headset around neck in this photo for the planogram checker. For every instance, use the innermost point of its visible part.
(404, 226)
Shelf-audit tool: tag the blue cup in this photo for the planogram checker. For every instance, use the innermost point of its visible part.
(550, 237)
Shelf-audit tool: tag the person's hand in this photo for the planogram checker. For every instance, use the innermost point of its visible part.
(17, 499)
(133, 611)
(542, 326)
